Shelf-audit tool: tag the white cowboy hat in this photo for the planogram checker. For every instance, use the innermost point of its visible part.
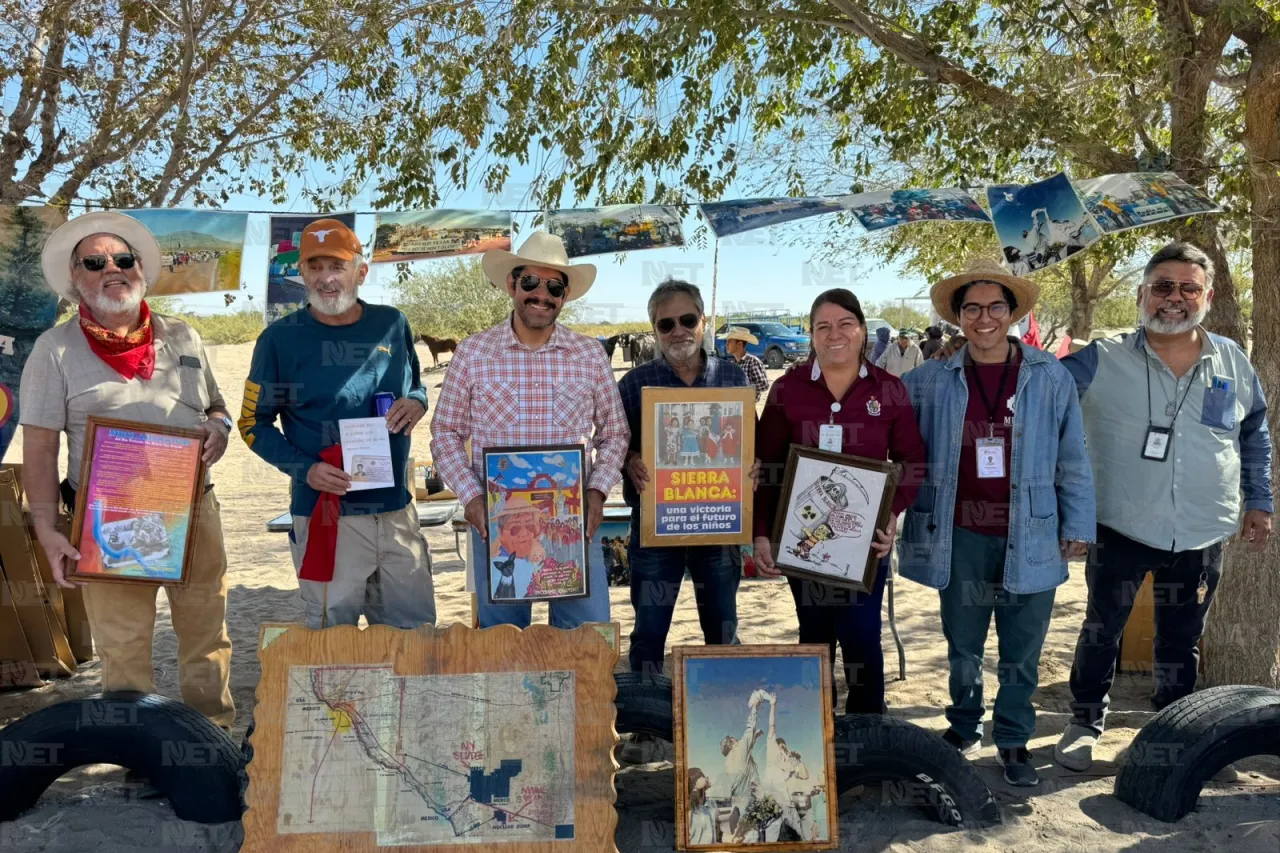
(737, 333)
(55, 259)
(542, 250)
(982, 269)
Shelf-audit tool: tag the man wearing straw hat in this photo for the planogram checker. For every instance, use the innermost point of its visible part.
(530, 381)
(1007, 500)
(119, 360)
(735, 344)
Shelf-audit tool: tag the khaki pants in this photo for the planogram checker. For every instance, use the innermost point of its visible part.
(122, 618)
(382, 569)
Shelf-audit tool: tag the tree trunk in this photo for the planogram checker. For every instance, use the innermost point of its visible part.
(1082, 302)
(1242, 642)
(1225, 318)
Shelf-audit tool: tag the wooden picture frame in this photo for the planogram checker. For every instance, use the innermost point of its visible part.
(801, 555)
(542, 486)
(158, 488)
(704, 695)
(683, 474)
(432, 739)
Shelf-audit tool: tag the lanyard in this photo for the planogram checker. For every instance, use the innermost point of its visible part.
(1190, 384)
(982, 392)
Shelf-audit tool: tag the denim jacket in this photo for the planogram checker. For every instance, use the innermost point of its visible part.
(1051, 481)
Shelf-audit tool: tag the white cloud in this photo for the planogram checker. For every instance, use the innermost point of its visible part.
(520, 481)
(557, 460)
(518, 461)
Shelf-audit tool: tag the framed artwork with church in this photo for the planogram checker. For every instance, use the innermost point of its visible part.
(698, 445)
(536, 523)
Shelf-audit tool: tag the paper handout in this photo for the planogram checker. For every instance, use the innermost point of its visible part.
(366, 453)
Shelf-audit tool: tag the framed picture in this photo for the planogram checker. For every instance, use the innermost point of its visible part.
(536, 521)
(831, 506)
(136, 508)
(609, 547)
(755, 760)
(699, 446)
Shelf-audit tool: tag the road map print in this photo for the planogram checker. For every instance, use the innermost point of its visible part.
(480, 758)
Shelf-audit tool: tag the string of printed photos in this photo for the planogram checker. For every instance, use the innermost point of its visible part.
(200, 250)
(422, 235)
(618, 228)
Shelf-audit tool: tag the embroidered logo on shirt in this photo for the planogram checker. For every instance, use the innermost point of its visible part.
(873, 407)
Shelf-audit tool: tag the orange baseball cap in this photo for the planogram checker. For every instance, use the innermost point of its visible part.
(329, 238)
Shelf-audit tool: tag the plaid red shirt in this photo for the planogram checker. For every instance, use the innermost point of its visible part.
(498, 393)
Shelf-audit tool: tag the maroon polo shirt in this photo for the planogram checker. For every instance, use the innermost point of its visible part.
(982, 505)
(878, 423)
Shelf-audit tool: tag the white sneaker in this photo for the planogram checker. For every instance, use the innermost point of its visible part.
(1075, 748)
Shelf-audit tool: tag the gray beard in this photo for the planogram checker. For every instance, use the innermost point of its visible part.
(1156, 323)
(102, 306)
(682, 353)
(332, 307)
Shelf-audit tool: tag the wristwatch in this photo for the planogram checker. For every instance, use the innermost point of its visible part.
(226, 421)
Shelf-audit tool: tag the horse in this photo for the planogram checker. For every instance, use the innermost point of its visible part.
(438, 345)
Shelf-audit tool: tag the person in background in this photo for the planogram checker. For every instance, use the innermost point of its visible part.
(531, 381)
(837, 401)
(1177, 428)
(1008, 500)
(312, 369)
(735, 344)
(118, 360)
(932, 343)
(883, 336)
(900, 357)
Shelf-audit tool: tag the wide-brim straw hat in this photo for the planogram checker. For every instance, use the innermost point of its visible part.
(55, 259)
(542, 250)
(983, 269)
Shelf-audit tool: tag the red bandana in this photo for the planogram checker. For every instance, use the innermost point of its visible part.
(132, 355)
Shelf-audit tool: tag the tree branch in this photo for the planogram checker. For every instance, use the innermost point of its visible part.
(180, 140)
(1231, 81)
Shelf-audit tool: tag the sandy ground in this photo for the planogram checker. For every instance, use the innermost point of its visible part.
(94, 810)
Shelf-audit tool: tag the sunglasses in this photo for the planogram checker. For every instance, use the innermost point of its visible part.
(667, 324)
(529, 283)
(98, 263)
(1165, 287)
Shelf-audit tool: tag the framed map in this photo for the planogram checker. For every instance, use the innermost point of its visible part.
(441, 740)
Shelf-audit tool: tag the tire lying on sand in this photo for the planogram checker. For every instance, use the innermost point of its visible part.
(177, 749)
(1189, 741)
(918, 767)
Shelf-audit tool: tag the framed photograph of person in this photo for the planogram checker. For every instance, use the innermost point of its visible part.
(536, 522)
(755, 760)
(698, 445)
(831, 506)
(137, 505)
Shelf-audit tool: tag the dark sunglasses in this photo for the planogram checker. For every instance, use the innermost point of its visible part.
(1164, 287)
(98, 263)
(666, 325)
(529, 283)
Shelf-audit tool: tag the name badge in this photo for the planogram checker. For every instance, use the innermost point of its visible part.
(990, 458)
(831, 437)
(1156, 447)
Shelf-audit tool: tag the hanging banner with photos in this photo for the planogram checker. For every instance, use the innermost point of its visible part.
(880, 210)
(1040, 224)
(422, 235)
(1121, 202)
(200, 250)
(620, 228)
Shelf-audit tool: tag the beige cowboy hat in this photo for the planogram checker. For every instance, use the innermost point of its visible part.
(514, 506)
(543, 250)
(737, 333)
(55, 259)
(983, 269)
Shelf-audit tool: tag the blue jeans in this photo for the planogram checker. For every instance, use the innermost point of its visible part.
(656, 576)
(569, 613)
(1022, 621)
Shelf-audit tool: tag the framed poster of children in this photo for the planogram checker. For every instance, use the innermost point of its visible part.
(755, 756)
(136, 506)
(536, 523)
(698, 445)
(831, 506)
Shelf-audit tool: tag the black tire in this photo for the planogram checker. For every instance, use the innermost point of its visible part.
(177, 749)
(644, 705)
(918, 767)
(1189, 741)
(773, 359)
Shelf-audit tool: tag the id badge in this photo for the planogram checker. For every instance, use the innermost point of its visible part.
(1156, 447)
(990, 458)
(831, 437)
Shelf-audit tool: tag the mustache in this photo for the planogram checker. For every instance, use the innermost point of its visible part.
(545, 303)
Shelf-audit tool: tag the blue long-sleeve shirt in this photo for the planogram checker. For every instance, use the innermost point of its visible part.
(310, 376)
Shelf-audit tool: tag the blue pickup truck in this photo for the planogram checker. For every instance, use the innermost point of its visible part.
(777, 345)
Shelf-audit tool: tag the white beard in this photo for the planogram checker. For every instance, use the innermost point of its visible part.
(332, 306)
(104, 306)
(1160, 325)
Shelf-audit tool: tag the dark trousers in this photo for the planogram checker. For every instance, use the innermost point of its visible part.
(656, 576)
(1115, 572)
(829, 615)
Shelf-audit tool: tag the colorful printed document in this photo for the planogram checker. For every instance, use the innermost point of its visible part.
(366, 453)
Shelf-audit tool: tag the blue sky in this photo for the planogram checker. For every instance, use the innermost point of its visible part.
(523, 468)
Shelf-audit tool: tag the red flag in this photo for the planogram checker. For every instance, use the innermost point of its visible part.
(1064, 348)
(1032, 336)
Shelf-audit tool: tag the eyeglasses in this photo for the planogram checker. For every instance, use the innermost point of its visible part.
(98, 263)
(529, 283)
(1165, 287)
(996, 310)
(667, 325)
